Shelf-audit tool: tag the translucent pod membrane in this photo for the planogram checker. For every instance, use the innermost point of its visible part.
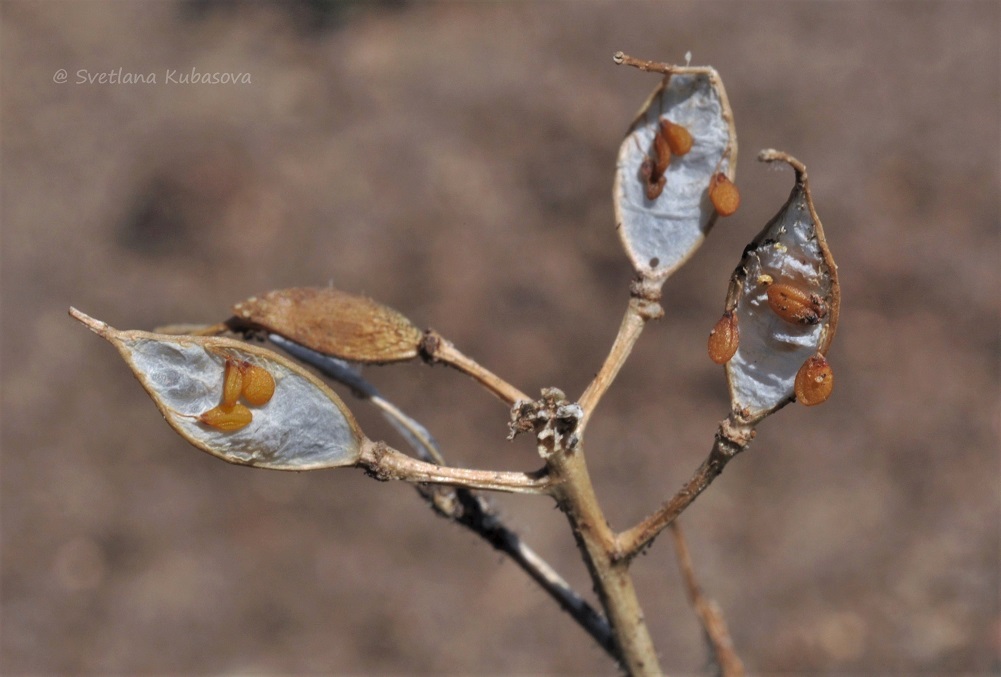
(303, 425)
(332, 322)
(783, 331)
(663, 218)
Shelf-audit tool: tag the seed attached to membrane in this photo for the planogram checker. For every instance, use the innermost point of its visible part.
(678, 138)
(723, 194)
(814, 381)
(254, 384)
(724, 339)
(226, 418)
(654, 182)
(258, 384)
(794, 305)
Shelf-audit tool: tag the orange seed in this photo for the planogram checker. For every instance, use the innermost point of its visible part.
(814, 381)
(258, 384)
(794, 305)
(677, 137)
(723, 194)
(227, 419)
(724, 339)
(232, 383)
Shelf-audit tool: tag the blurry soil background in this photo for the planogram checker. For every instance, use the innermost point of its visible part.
(455, 161)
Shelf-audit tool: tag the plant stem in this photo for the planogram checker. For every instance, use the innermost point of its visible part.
(733, 436)
(708, 611)
(638, 313)
(611, 578)
(386, 463)
(434, 348)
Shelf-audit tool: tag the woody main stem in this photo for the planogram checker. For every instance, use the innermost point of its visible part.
(575, 495)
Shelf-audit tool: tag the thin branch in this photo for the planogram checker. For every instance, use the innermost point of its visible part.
(475, 513)
(462, 506)
(708, 611)
(434, 348)
(385, 463)
(638, 313)
(733, 436)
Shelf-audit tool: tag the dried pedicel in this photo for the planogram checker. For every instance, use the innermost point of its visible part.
(814, 381)
(303, 426)
(662, 218)
(332, 322)
(786, 296)
(724, 339)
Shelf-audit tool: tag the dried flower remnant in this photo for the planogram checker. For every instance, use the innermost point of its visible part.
(724, 339)
(332, 322)
(786, 296)
(661, 224)
(814, 381)
(723, 194)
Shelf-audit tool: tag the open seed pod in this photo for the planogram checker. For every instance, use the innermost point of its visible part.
(301, 425)
(784, 298)
(332, 322)
(662, 206)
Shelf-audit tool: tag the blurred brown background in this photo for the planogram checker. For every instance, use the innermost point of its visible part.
(455, 161)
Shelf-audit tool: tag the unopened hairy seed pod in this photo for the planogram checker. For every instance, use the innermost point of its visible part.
(814, 381)
(332, 322)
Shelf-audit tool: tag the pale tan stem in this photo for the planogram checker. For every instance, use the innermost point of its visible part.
(611, 578)
(639, 312)
(435, 348)
(385, 463)
(708, 611)
(733, 436)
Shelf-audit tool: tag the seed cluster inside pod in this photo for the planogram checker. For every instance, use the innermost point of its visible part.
(683, 135)
(786, 296)
(240, 379)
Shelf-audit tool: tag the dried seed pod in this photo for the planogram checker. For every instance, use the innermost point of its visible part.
(661, 226)
(786, 296)
(332, 322)
(678, 138)
(232, 384)
(304, 427)
(723, 194)
(814, 381)
(724, 339)
(258, 384)
(227, 418)
(795, 305)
